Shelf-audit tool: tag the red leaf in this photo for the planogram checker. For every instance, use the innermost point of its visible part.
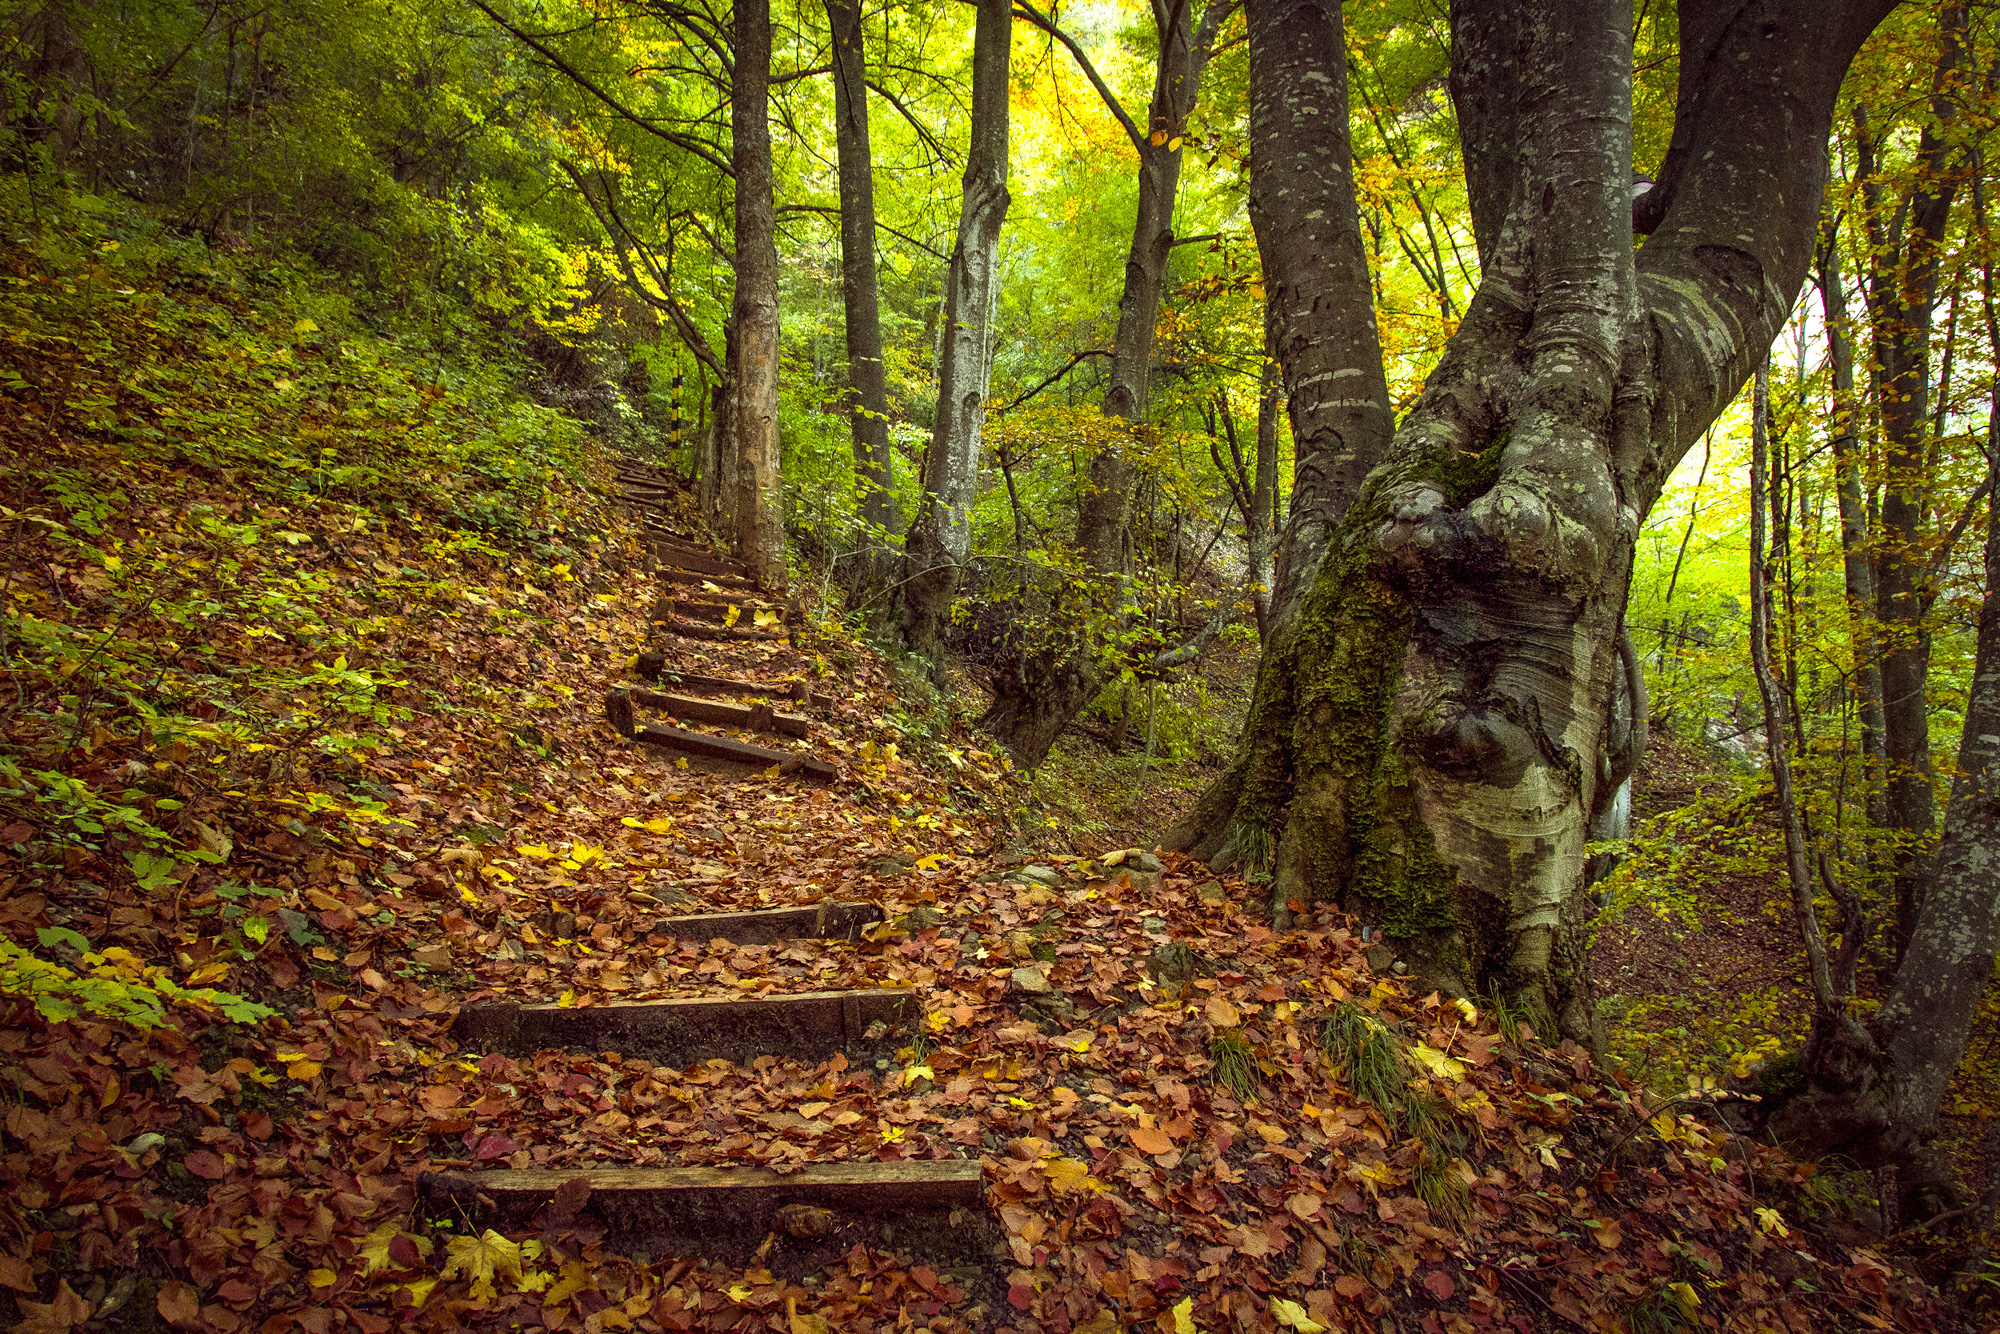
(494, 1146)
(1020, 1296)
(205, 1165)
(1439, 1285)
(1349, 1287)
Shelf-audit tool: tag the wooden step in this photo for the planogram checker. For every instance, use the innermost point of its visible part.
(729, 583)
(731, 1192)
(754, 717)
(794, 1222)
(829, 920)
(691, 558)
(715, 613)
(722, 634)
(805, 1025)
(653, 667)
(790, 765)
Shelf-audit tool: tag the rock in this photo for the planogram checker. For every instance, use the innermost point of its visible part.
(1037, 874)
(891, 866)
(1209, 889)
(1379, 957)
(1147, 862)
(1031, 982)
(1153, 925)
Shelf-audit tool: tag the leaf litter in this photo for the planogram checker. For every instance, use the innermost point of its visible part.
(428, 811)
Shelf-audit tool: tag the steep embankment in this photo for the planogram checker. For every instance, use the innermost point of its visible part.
(304, 752)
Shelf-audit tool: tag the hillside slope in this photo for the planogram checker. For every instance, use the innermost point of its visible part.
(306, 637)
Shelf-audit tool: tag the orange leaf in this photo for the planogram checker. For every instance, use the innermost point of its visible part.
(1151, 1139)
(1221, 1013)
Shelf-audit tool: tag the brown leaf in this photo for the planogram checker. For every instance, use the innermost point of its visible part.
(1349, 1287)
(16, 1273)
(179, 1305)
(1221, 1013)
(205, 1165)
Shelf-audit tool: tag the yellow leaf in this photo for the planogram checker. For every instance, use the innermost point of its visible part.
(1158, 137)
(1174, 144)
(583, 854)
(420, 1291)
(892, 1134)
(1294, 1316)
(482, 1259)
(568, 999)
(1184, 1316)
(738, 1293)
(766, 618)
(538, 851)
(1439, 1064)
(1685, 1294)
(305, 326)
(1769, 1220)
(1114, 858)
(321, 1278)
(932, 861)
(374, 1248)
(730, 617)
(659, 824)
(1068, 1175)
(574, 1278)
(302, 1069)
(213, 971)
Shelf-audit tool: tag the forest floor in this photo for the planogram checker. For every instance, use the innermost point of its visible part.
(301, 762)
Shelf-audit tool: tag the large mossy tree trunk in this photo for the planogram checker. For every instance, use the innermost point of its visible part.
(1433, 720)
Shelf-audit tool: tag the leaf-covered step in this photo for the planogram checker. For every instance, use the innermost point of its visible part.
(736, 1214)
(825, 921)
(692, 558)
(698, 630)
(746, 613)
(754, 717)
(787, 764)
(805, 1025)
(653, 667)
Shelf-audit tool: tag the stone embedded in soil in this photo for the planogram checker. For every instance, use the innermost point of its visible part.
(1210, 890)
(1037, 874)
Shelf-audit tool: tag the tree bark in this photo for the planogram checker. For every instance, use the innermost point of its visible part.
(940, 541)
(866, 381)
(1902, 292)
(1319, 310)
(1857, 559)
(760, 499)
(1045, 684)
(1431, 722)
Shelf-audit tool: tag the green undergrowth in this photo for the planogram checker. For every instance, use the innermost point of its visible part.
(242, 525)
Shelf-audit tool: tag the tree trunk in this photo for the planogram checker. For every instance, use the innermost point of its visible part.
(1857, 560)
(1184, 52)
(1902, 291)
(940, 541)
(760, 497)
(1048, 683)
(866, 381)
(1319, 309)
(1431, 720)
(1259, 525)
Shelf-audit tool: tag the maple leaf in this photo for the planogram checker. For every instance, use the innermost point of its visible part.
(482, 1259)
(378, 1250)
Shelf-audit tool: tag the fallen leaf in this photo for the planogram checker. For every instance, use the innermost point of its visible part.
(1151, 1139)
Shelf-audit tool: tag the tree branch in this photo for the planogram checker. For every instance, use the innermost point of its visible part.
(1075, 360)
(681, 141)
(1023, 9)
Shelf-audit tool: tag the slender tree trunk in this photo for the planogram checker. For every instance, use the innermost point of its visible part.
(1431, 720)
(866, 381)
(760, 497)
(1259, 525)
(1046, 684)
(940, 541)
(1857, 561)
(1902, 288)
(1184, 51)
(1319, 310)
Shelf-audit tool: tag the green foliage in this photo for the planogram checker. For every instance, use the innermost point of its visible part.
(1235, 1064)
(112, 985)
(1368, 1057)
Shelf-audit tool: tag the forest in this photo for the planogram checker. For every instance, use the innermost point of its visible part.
(1248, 665)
